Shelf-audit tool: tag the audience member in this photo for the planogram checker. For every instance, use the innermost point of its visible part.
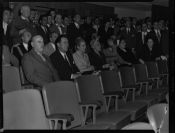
(37, 66)
(80, 57)
(150, 51)
(42, 29)
(63, 61)
(97, 57)
(23, 47)
(51, 46)
(73, 31)
(126, 53)
(22, 23)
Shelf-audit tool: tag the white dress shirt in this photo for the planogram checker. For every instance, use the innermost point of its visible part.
(25, 46)
(4, 24)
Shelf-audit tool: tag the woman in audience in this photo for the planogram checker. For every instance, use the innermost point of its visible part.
(125, 53)
(151, 51)
(111, 53)
(80, 57)
(97, 57)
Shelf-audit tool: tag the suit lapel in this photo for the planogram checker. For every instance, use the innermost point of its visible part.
(37, 57)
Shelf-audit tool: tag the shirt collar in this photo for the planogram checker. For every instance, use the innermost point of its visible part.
(22, 17)
(63, 54)
(25, 45)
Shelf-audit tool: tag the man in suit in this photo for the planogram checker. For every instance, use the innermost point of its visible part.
(23, 47)
(22, 23)
(130, 35)
(6, 39)
(42, 29)
(73, 31)
(58, 26)
(51, 47)
(156, 34)
(37, 66)
(63, 61)
(141, 39)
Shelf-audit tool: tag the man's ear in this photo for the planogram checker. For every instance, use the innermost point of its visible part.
(32, 44)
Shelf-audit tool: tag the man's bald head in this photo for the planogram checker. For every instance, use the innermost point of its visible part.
(25, 11)
(37, 43)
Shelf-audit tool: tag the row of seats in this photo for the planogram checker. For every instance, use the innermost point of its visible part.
(108, 100)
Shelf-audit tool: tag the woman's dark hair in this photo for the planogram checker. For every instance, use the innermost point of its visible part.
(78, 41)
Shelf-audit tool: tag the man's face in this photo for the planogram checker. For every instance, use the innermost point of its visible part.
(63, 45)
(49, 19)
(44, 21)
(58, 19)
(77, 19)
(6, 16)
(54, 37)
(26, 37)
(25, 11)
(52, 13)
(38, 44)
(144, 27)
(156, 26)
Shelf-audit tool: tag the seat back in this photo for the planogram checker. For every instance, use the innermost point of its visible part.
(138, 126)
(162, 67)
(140, 72)
(11, 78)
(152, 69)
(61, 97)
(156, 114)
(127, 76)
(89, 90)
(110, 81)
(23, 109)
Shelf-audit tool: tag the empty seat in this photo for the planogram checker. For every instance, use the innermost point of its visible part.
(156, 115)
(11, 78)
(89, 90)
(111, 82)
(138, 126)
(23, 109)
(61, 97)
(141, 77)
(153, 74)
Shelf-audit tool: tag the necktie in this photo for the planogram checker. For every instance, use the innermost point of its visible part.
(66, 59)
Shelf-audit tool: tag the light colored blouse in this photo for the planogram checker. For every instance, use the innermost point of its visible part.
(82, 61)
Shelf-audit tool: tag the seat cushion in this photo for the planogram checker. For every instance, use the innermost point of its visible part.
(136, 108)
(120, 93)
(150, 100)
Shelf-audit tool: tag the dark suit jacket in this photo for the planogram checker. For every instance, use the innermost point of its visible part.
(73, 33)
(6, 38)
(139, 43)
(44, 34)
(37, 71)
(63, 68)
(96, 60)
(127, 56)
(148, 55)
(54, 28)
(130, 38)
(18, 50)
(19, 24)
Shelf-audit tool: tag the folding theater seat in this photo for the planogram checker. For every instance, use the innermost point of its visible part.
(111, 83)
(61, 98)
(89, 91)
(11, 79)
(153, 74)
(140, 73)
(23, 109)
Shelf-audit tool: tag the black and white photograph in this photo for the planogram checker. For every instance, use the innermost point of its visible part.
(87, 65)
